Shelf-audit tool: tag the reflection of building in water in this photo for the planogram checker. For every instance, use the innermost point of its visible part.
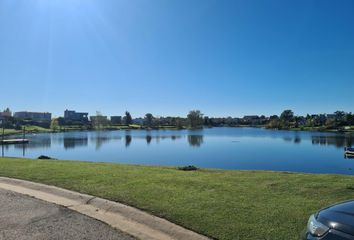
(195, 140)
(338, 141)
(72, 142)
(41, 142)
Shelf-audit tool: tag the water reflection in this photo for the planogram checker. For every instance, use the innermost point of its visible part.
(128, 140)
(338, 141)
(297, 140)
(195, 140)
(43, 142)
(317, 151)
(72, 142)
(148, 139)
(100, 140)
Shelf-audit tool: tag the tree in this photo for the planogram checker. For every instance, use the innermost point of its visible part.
(286, 118)
(287, 115)
(340, 118)
(128, 118)
(350, 118)
(149, 119)
(195, 119)
(54, 125)
(179, 123)
(99, 121)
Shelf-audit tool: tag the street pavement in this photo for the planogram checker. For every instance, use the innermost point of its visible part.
(26, 218)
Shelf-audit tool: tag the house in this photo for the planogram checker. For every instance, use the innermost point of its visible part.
(34, 116)
(73, 116)
(251, 118)
(6, 113)
(99, 120)
(138, 121)
(116, 119)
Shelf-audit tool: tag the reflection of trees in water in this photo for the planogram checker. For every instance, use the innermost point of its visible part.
(297, 139)
(157, 138)
(338, 141)
(195, 140)
(101, 138)
(128, 140)
(148, 139)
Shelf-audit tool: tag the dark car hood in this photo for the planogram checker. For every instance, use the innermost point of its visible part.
(339, 216)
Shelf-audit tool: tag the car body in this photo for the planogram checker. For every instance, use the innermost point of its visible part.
(335, 222)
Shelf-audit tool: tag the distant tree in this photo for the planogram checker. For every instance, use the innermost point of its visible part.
(149, 119)
(206, 121)
(179, 122)
(340, 118)
(287, 115)
(99, 120)
(54, 125)
(195, 119)
(350, 119)
(128, 118)
(286, 118)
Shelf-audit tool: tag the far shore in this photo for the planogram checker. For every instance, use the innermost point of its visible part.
(37, 129)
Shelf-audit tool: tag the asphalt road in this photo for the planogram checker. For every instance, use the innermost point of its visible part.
(26, 218)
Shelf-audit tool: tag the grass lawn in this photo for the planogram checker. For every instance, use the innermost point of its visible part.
(29, 129)
(218, 203)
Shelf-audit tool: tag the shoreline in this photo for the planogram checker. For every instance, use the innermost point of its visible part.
(19, 132)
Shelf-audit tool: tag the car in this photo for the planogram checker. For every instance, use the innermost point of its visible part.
(335, 222)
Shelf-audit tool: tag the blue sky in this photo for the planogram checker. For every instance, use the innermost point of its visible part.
(226, 58)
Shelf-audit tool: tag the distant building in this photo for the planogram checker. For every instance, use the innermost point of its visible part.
(75, 116)
(139, 121)
(5, 114)
(99, 119)
(116, 119)
(251, 117)
(34, 116)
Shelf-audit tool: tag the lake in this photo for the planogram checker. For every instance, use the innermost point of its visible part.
(226, 148)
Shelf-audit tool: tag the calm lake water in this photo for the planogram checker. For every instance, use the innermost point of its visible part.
(227, 148)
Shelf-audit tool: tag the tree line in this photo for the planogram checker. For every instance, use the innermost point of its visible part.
(196, 119)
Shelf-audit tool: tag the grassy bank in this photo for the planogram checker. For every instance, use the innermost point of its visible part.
(29, 129)
(218, 203)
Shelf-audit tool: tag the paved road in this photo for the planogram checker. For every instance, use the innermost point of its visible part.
(26, 218)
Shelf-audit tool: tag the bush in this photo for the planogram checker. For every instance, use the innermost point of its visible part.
(44, 157)
(188, 168)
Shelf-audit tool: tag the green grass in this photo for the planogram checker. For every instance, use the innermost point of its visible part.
(29, 129)
(218, 203)
(34, 129)
(10, 131)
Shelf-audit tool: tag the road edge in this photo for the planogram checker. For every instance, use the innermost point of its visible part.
(128, 219)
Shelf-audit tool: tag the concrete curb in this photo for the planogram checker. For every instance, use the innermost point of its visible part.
(125, 218)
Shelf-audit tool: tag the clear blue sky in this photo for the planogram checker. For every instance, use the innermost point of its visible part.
(226, 58)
